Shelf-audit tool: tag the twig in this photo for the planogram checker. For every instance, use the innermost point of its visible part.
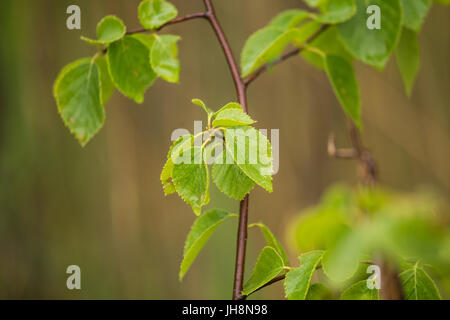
(173, 21)
(284, 57)
(242, 97)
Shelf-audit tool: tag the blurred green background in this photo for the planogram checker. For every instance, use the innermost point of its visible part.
(102, 207)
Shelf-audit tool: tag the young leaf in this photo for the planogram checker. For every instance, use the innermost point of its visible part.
(264, 46)
(201, 104)
(109, 29)
(191, 180)
(253, 156)
(360, 291)
(417, 285)
(407, 56)
(154, 13)
(167, 172)
(272, 241)
(372, 46)
(200, 232)
(268, 266)
(414, 13)
(336, 11)
(78, 95)
(164, 57)
(313, 3)
(318, 291)
(106, 83)
(129, 66)
(230, 179)
(289, 19)
(345, 85)
(230, 105)
(232, 117)
(298, 280)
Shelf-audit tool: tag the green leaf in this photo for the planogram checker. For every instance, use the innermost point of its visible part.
(289, 19)
(417, 285)
(265, 46)
(147, 39)
(272, 241)
(167, 172)
(268, 266)
(201, 104)
(345, 85)
(109, 29)
(327, 43)
(313, 3)
(372, 46)
(298, 280)
(164, 57)
(200, 232)
(228, 106)
(251, 151)
(360, 291)
(341, 260)
(129, 66)
(154, 13)
(318, 291)
(105, 80)
(408, 58)
(78, 95)
(231, 117)
(191, 179)
(230, 179)
(336, 11)
(442, 2)
(414, 13)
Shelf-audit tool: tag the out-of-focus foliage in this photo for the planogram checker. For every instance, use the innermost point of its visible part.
(367, 223)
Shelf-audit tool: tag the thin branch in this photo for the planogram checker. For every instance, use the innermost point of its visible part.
(284, 57)
(173, 21)
(242, 97)
(238, 82)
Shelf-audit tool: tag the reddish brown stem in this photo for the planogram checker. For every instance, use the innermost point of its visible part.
(242, 97)
(173, 21)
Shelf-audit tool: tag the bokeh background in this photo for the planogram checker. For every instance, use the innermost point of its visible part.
(102, 207)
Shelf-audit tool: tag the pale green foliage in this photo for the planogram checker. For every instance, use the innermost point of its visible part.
(414, 13)
(106, 84)
(191, 180)
(318, 291)
(352, 226)
(417, 284)
(345, 85)
(231, 117)
(360, 291)
(109, 29)
(231, 180)
(408, 58)
(298, 280)
(336, 11)
(154, 13)
(272, 241)
(268, 266)
(289, 19)
(164, 57)
(200, 232)
(78, 95)
(130, 68)
(372, 46)
(237, 166)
